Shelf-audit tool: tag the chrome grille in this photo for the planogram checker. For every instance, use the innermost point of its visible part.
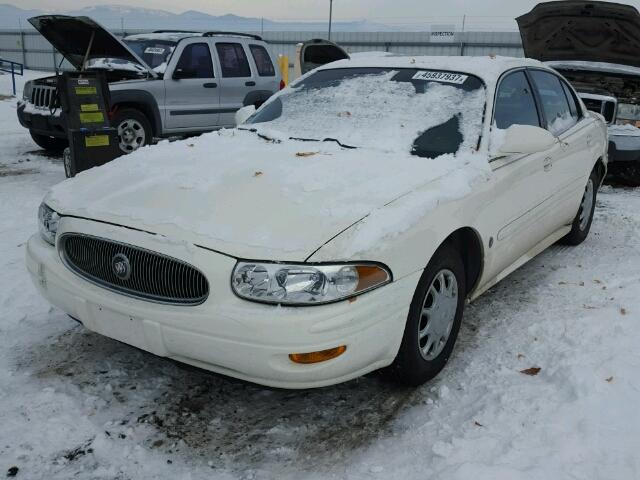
(151, 276)
(44, 96)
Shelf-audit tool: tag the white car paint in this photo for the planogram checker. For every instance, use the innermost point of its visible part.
(516, 204)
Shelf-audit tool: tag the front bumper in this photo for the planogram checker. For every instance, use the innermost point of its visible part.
(226, 334)
(43, 124)
(624, 149)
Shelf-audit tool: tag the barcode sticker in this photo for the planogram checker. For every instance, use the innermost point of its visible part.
(444, 77)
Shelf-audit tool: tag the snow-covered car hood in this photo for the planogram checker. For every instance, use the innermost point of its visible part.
(237, 193)
(582, 30)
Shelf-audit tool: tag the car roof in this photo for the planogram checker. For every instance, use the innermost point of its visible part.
(488, 68)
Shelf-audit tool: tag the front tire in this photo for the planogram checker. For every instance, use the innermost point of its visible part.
(50, 144)
(582, 222)
(134, 129)
(434, 319)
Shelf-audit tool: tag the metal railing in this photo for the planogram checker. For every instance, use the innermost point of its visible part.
(14, 68)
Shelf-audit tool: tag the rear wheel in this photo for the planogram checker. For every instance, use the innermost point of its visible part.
(134, 129)
(582, 222)
(434, 319)
(51, 144)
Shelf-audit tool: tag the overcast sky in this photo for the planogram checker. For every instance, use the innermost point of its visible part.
(375, 10)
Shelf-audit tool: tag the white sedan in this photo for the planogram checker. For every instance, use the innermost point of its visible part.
(339, 230)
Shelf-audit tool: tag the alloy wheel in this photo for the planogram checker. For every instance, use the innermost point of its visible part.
(438, 314)
(586, 205)
(131, 135)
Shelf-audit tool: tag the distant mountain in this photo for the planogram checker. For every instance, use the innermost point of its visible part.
(132, 18)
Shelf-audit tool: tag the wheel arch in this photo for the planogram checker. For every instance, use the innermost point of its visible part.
(467, 241)
(257, 97)
(140, 100)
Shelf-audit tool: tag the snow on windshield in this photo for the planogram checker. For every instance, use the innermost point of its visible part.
(375, 111)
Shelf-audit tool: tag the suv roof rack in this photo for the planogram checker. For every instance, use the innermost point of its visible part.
(235, 34)
(175, 31)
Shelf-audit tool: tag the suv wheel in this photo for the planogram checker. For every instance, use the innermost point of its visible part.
(134, 129)
(51, 144)
(434, 319)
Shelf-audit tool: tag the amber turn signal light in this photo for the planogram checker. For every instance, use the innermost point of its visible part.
(317, 357)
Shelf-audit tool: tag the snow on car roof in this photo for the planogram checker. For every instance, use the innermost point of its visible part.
(488, 68)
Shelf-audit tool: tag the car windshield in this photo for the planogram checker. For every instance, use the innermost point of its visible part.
(155, 53)
(426, 112)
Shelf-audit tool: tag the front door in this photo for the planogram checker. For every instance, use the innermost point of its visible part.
(517, 209)
(192, 90)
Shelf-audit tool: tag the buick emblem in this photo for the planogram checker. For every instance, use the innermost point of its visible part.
(120, 266)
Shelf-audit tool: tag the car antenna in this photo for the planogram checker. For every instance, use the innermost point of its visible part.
(86, 55)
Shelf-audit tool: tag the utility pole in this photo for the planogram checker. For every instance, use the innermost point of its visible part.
(330, 16)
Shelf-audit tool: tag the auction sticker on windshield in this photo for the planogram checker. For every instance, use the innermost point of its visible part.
(154, 50)
(444, 77)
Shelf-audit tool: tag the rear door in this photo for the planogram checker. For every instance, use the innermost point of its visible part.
(567, 172)
(237, 80)
(266, 73)
(192, 89)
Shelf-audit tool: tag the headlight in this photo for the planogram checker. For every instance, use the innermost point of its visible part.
(48, 223)
(26, 91)
(305, 284)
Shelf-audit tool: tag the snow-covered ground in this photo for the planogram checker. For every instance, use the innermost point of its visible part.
(77, 405)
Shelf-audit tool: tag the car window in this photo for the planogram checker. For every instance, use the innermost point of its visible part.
(554, 102)
(233, 60)
(573, 105)
(263, 61)
(195, 61)
(515, 104)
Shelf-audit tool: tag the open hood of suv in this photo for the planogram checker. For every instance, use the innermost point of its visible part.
(72, 36)
(582, 30)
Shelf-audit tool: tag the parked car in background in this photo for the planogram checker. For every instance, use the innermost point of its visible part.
(162, 84)
(339, 230)
(596, 46)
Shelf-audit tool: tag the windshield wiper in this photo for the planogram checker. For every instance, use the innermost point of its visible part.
(328, 139)
(300, 139)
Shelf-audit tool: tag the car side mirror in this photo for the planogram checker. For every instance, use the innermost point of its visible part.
(244, 113)
(179, 73)
(521, 139)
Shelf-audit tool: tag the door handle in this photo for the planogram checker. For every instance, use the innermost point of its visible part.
(210, 85)
(589, 141)
(547, 164)
(250, 84)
